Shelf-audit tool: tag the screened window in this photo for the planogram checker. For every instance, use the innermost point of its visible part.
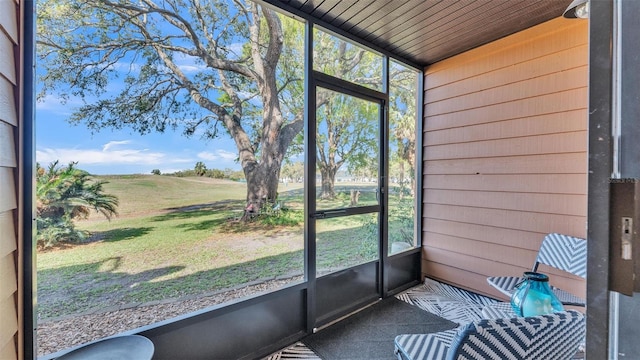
(337, 57)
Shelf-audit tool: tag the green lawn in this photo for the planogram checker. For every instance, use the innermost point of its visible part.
(177, 236)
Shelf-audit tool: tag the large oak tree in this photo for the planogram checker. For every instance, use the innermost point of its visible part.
(201, 66)
(207, 67)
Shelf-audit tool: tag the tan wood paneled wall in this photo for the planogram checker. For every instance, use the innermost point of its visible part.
(505, 154)
(10, 335)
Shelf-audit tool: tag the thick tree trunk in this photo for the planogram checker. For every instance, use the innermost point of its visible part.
(261, 165)
(263, 175)
(328, 176)
(262, 186)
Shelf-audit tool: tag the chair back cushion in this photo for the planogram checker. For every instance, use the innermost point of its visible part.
(550, 337)
(564, 252)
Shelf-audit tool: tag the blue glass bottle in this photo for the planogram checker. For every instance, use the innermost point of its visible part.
(533, 296)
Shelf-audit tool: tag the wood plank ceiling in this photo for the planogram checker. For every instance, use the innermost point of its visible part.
(426, 31)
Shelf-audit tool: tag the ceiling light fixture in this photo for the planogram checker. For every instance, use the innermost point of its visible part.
(578, 9)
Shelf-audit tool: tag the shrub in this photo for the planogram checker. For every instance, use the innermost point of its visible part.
(64, 194)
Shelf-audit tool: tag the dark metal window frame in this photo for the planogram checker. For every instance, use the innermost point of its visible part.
(387, 266)
(600, 169)
(29, 283)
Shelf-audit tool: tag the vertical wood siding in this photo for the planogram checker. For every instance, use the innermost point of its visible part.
(9, 121)
(505, 154)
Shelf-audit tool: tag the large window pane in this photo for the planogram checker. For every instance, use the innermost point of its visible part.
(209, 180)
(346, 241)
(340, 58)
(403, 94)
(347, 146)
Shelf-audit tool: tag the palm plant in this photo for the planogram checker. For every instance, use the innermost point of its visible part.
(64, 194)
(200, 168)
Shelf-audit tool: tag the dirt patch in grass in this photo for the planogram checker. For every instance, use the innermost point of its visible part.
(173, 245)
(64, 333)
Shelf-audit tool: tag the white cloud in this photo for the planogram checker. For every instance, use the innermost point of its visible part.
(111, 144)
(126, 67)
(188, 64)
(190, 68)
(55, 104)
(227, 155)
(236, 49)
(112, 153)
(219, 154)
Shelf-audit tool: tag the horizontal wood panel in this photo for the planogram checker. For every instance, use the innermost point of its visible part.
(474, 283)
(7, 68)
(7, 233)
(8, 19)
(547, 84)
(7, 190)
(565, 204)
(505, 154)
(529, 69)
(460, 278)
(516, 259)
(8, 275)
(570, 121)
(474, 248)
(547, 104)
(478, 282)
(8, 112)
(472, 264)
(509, 237)
(548, 38)
(528, 145)
(566, 163)
(484, 268)
(535, 183)
(11, 341)
(7, 146)
(9, 326)
(508, 219)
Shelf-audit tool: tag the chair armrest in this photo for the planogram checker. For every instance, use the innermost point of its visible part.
(424, 346)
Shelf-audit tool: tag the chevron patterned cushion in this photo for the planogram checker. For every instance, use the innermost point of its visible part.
(560, 251)
(564, 252)
(549, 337)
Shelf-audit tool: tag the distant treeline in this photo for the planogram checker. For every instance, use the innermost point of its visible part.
(235, 175)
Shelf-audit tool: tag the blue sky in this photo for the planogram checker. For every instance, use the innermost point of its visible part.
(122, 151)
(125, 151)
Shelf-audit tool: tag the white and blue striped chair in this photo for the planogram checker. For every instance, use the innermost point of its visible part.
(555, 336)
(563, 252)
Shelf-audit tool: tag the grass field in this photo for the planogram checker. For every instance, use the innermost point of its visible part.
(177, 236)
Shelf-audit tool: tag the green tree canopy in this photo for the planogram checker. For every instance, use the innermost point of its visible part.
(198, 66)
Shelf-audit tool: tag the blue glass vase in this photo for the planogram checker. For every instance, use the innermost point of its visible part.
(533, 296)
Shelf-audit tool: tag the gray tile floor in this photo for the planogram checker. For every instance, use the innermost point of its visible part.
(444, 300)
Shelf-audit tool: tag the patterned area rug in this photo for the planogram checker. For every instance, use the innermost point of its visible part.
(449, 302)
